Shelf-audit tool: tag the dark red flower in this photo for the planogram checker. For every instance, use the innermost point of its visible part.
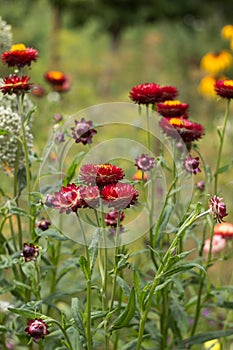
(144, 162)
(172, 108)
(151, 93)
(43, 224)
(67, 200)
(19, 56)
(83, 131)
(30, 252)
(186, 129)
(224, 229)
(218, 208)
(100, 174)
(191, 165)
(58, 80)
(90, 195)
(224, 88)
(37, 329)
(119, 196)
(13, 84)
(111, 218)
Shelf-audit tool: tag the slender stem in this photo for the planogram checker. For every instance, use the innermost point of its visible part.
(222, 135)
(63, 331)
(148, 127)
(88, 284)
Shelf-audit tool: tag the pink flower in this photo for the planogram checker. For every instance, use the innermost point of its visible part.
(37, 329)
(191, 165)
(218, 243)
(218, 208)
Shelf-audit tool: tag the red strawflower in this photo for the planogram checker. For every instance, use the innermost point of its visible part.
(224, 229)
(30, 252)
(224, 88)
(218, 208)
(91, 196)
(38, 91)
(172, 108)
(100, 174)
(13, 84)
(112, 217)
(19, 56)
(67, 200)
(58, 80)
(184, 128)
(144, 162)
(151, 93)
(83, 131)
(119, 196)
(37, 329)
(191, 165)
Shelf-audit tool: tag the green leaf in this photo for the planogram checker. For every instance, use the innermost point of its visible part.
(136, 282)
(4, 132)
(52, 233)
(127, 314)
(202, 338)
(93, 249)
(26, 313)
(182, 268)
(225, 168)
(71, 171)
(124, 286)
(84, 267)
(78, 316)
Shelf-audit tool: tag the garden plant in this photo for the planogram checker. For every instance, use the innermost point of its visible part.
(107, 239)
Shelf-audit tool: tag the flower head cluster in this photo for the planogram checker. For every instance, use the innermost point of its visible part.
(19, 56)
(83, 131)
(172, 108)
(144, 162)
(10, 125)
(5, 36)
(178, 127)
(14, 84)
(218, 208)
(57, 80)
(37, 329)
(224, 229)
(151, 93)
(100, 174)
(224, 88)
(30, 252)
(191, 165)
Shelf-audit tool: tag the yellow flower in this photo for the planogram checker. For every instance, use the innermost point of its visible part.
(206, 87)
(212, 345)
(227, 32)
(18, 47)
(216, 62)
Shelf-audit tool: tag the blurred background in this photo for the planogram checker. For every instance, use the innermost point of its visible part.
(106, 47)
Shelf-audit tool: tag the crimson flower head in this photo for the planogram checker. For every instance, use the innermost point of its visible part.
(217, 208)
(19, 56)
(30, 252)
(58, 80)
(83, 131)
(191, 165)
(90, 196)
(186, 129)
(119, 196)
(144, 162)
(67, 200)
(13, 84)
(224, 88)
(37, 329)
(172, 108)
(111, 218)
(100, 174)
(151, 93)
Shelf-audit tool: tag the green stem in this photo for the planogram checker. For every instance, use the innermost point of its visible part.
(161, 270)
(221, 135)
(63, 331)
(148, 127)
(88, 285)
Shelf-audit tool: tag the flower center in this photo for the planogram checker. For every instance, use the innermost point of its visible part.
(18, 47)
(228, 83)
(172, 103)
